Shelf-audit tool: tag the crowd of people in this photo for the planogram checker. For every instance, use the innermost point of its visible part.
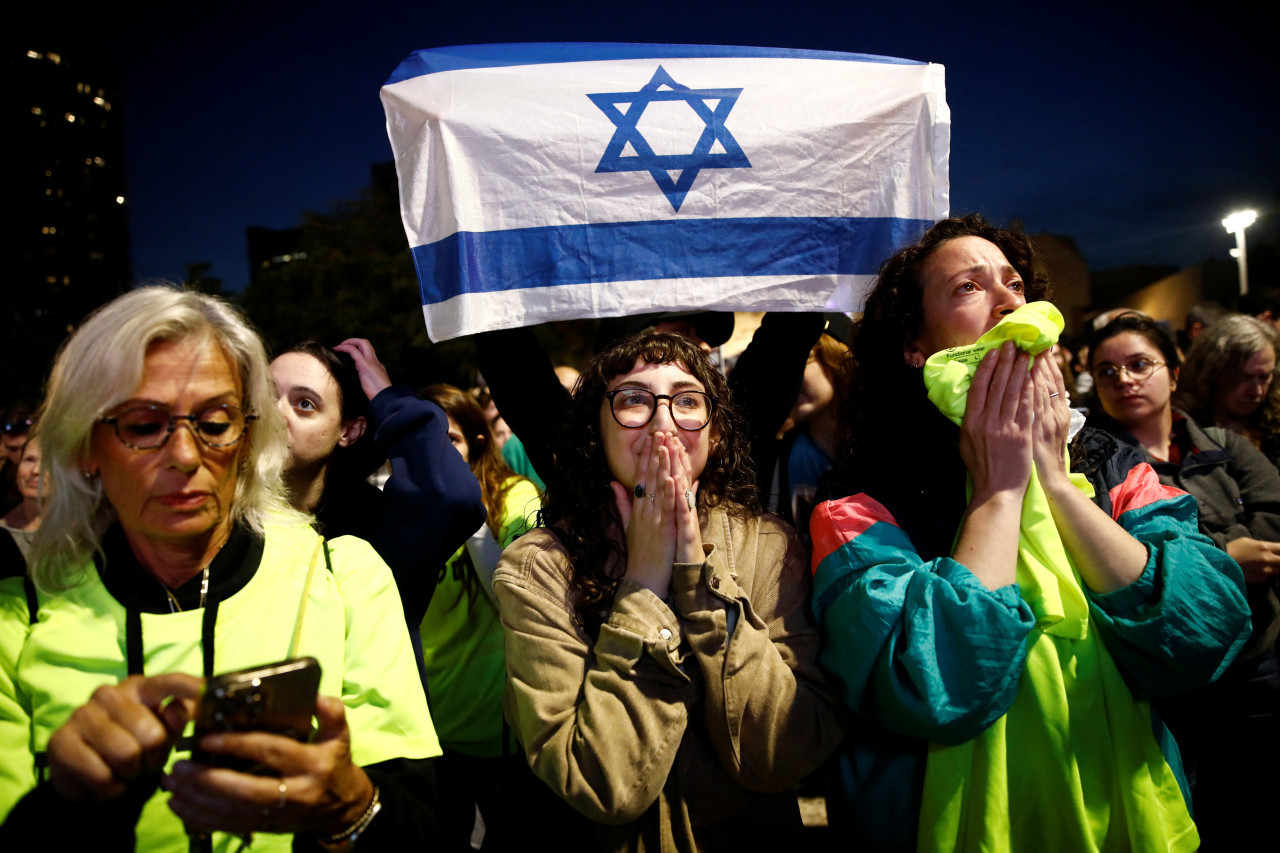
(984, 592)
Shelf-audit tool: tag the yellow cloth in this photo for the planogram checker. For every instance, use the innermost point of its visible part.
(1073, 765)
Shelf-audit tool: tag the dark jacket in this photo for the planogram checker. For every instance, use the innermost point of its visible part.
(1237, 490)
(428, 509)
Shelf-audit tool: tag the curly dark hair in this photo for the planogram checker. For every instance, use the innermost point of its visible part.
(894, 309)
(579, 502)
(897, 443)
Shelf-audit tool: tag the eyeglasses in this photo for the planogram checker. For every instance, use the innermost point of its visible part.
(1139, 370)
(18, 427)
(149, 427)
(635, 407)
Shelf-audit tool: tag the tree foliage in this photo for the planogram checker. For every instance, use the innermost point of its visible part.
(355, 278)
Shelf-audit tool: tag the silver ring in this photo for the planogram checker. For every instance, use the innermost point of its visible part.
(651, 497)
(638, 491)
(1054, 394)
(688, 497)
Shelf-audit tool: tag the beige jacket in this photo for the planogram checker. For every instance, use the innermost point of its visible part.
(676, 724)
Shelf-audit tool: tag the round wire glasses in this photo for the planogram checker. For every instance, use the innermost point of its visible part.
(1139, 370)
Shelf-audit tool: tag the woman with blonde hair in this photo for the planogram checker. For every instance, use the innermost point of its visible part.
(23, 520)
(167, 553)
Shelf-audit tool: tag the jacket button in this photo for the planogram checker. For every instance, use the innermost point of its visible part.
(665, 633)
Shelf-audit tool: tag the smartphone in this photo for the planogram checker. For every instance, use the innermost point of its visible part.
(279, 698)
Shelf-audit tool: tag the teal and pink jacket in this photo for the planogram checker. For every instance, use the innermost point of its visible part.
(924, 653)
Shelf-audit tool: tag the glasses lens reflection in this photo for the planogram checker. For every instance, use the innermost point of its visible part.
(635, 407)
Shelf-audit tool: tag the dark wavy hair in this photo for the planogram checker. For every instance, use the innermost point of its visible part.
(897, 443)
(579, 502)
(894, 310)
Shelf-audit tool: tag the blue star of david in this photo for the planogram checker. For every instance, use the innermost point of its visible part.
(661, 165)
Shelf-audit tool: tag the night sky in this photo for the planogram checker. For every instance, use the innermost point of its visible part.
(1132, 131)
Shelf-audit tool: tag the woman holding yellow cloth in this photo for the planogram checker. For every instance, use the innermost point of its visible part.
(1002, 592)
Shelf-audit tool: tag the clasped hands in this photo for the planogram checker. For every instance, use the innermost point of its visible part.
(660, 515)
(1015, 418)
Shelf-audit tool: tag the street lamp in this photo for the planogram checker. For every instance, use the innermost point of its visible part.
(1235, 223)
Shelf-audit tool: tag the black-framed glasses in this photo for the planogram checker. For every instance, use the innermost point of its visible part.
(635, 407)
(21, 426)
(149, 427)
(1139, 370)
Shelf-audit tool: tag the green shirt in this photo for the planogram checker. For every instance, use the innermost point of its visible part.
(462, 642)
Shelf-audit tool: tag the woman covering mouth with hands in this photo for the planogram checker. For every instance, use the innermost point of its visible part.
(661, 660)
(993, 616)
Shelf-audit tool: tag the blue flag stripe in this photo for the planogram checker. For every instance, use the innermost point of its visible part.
(526, 258)
(461, 57)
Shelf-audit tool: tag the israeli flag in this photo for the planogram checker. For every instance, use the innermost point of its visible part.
(555, 181)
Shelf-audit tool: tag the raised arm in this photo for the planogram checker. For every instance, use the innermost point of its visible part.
(1183, 621)
(934, 648)
(767, 377)
(433, 501)
(525, 389)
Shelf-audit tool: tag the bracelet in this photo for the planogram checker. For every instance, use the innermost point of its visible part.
(357, 829)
